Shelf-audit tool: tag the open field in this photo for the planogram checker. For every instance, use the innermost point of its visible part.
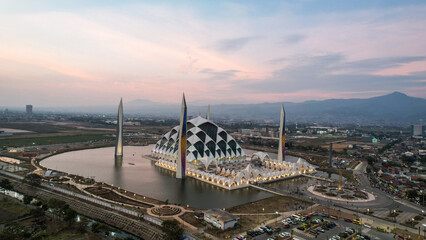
(269, 205)
(247, 222)
(36, 127)
(30, 141)
(10, 210)
(258, 212)
(189, 217)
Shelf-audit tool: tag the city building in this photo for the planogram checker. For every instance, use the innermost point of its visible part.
(418, 130)
(220, 219)
(29, 110)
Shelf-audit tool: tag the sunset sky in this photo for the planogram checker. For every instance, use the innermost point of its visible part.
(73, 53)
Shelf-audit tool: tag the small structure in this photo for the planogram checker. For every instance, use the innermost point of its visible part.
(220, 219)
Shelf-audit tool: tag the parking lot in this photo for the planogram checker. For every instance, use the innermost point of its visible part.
(324, 233)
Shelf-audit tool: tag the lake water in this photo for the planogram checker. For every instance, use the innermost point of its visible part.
(143, 177)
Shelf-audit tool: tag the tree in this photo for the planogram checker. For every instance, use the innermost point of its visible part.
(55, 203)
(37, 212)
(57, 207)
(172, 229)
(33, 179)
(5, 183)
(370, 160)
(412, 194)
(69, 215)
(27, 199)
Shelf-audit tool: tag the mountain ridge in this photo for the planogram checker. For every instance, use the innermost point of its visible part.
(391, 109)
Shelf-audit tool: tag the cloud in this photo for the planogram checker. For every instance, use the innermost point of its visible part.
(156, 51)
(232, 44)
(220, 74)
(334, 73)
(376, 64)
(294, 38)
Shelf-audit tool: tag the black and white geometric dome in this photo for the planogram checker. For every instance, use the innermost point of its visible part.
(204, 140)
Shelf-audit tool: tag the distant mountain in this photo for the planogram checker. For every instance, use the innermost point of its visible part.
(395, 108)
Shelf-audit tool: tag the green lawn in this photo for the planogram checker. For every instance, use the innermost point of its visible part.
(28, 141)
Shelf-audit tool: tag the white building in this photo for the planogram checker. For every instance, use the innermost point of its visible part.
(220, 219)
(204, 139)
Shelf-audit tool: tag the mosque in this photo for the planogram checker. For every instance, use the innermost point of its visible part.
(201, 149)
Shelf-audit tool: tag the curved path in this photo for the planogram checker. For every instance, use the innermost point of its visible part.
(370, 196)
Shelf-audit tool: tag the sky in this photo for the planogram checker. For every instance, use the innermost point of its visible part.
(74, 53)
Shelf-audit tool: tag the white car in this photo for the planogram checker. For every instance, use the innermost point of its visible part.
(284, 234)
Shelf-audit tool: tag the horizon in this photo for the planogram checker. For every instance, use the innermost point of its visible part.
(62, 54)
(194, 104)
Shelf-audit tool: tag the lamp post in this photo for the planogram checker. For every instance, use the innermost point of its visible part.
(276, 212)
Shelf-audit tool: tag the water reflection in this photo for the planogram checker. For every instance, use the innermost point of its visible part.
(118, 161)
(118, 165)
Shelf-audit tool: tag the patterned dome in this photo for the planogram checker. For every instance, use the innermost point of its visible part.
(204, 139)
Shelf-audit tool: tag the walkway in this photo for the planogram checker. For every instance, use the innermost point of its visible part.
(268, 190)
(319, 178)
(183, 210)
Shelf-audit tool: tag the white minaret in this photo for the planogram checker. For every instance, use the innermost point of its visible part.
(208, 113)
(281, 145)
(119, 134)
(181, 161)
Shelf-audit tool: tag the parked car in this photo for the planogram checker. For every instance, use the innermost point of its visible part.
(284, 234)
(367, 225)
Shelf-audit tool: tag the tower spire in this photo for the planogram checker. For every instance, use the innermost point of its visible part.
(208, 113)
(181, 161)
(119, 133)
(281, 146)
